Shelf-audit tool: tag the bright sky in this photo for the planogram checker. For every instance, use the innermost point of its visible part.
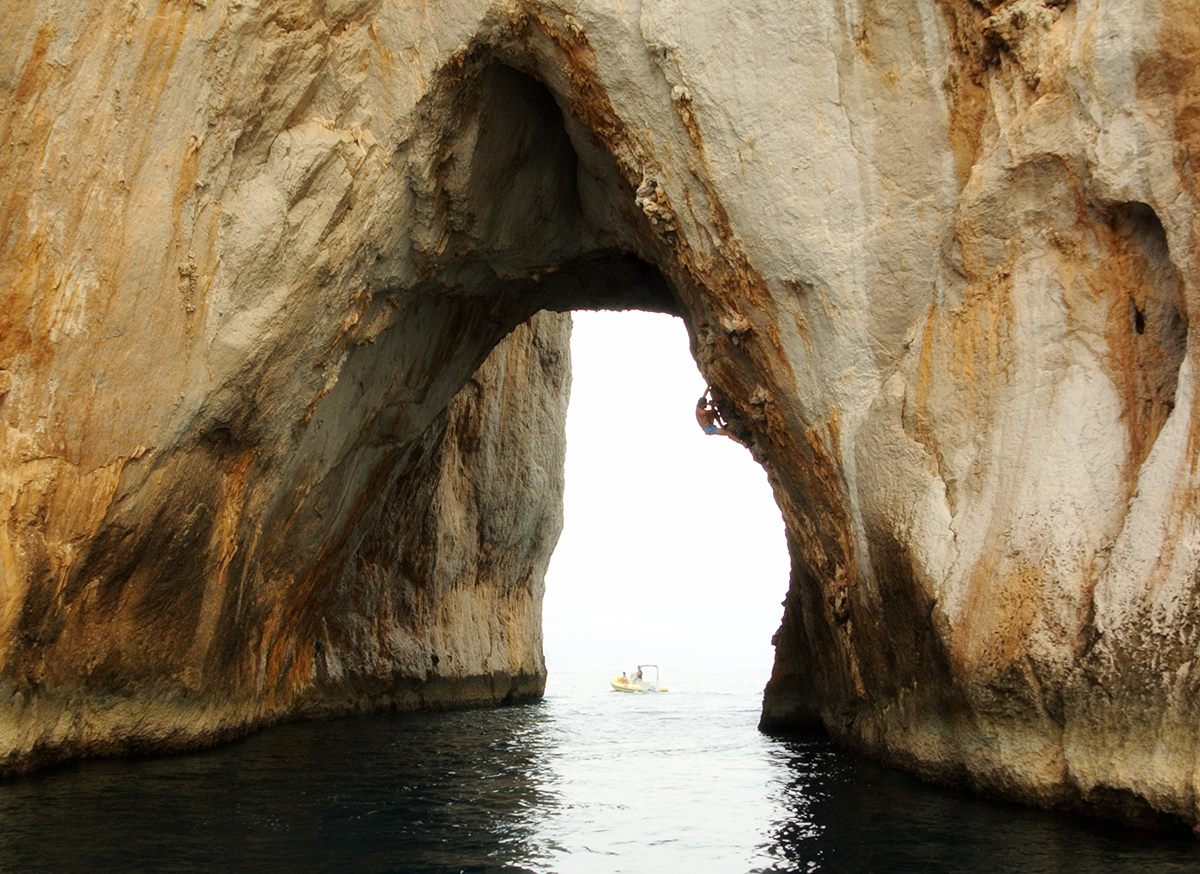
(673, 549)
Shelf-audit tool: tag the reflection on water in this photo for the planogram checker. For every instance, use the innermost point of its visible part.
(585, 781)
(425, 792)
(841, 813)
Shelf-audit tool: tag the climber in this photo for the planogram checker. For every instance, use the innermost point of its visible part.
(709, 417)
(708, 414)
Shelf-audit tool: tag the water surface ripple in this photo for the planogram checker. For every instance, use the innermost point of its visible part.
(585, 781)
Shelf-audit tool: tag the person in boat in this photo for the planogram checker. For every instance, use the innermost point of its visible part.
(709, 416)
(639, 673)
(624, 677)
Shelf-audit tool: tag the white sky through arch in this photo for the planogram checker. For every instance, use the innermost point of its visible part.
(673, 549)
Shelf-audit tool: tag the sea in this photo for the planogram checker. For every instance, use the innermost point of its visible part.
(585, 780)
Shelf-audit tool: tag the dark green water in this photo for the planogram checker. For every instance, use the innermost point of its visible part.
(586, 780)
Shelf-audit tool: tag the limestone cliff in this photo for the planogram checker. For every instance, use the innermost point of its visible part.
(938, 255)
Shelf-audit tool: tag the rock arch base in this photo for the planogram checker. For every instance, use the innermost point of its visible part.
(267, 451)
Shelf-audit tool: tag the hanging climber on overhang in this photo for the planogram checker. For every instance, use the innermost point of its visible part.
(709, 416)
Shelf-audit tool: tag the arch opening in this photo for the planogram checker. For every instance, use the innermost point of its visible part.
(673, 549)
(548, 219)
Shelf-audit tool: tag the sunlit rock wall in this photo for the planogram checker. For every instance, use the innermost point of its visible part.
(939, 256)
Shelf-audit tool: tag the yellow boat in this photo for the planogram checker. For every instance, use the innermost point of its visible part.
(638, 682)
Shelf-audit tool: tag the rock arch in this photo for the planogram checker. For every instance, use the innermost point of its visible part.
(345, 506)
(942, 263)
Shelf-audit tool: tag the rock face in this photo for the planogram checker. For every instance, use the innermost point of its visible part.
(939, 256)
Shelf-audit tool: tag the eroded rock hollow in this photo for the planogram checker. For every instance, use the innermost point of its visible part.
(283, 363)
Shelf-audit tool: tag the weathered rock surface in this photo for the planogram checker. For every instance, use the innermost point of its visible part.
(939, 256)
